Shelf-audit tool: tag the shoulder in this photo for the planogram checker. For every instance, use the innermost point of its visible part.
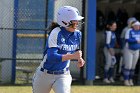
(125, 29)
(78, 31)
(108, 32)
(131, 31)
(54, 34)
(53, 37)
(55, 31)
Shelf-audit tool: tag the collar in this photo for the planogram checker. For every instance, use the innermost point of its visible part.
(67, 33)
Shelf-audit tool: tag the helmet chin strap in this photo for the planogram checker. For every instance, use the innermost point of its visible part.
(69, 24)
(72, 25)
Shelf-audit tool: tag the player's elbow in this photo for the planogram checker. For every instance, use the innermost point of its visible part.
(54, 57)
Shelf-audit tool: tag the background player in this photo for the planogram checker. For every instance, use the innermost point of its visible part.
(62, 44)
(127, 28)
(109, 52)
(131, 53)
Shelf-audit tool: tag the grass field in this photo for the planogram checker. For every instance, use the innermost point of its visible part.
(76, 89)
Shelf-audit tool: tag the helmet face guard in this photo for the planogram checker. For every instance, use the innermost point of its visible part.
(66, 14)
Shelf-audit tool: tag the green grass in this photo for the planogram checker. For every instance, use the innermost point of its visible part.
(76, 89)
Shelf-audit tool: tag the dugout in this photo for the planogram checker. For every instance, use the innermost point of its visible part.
(119, 10)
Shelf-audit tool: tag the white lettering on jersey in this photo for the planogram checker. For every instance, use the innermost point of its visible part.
(68, 47)
(137, 37)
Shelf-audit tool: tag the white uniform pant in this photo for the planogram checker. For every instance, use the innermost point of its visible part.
(130, 58)
(108, 59)
(44, 82)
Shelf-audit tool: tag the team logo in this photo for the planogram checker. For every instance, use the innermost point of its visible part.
(63, 40)
(132, 33)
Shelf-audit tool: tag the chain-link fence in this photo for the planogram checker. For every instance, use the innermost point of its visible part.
(23, 36)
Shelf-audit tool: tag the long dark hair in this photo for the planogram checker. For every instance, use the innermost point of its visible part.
(52, 26)
(109, 23)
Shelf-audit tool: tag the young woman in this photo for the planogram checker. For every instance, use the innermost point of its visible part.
(123, 43)
(131, 53)
(110, 60)
(62, 46)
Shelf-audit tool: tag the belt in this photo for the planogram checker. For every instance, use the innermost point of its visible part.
(55, 72)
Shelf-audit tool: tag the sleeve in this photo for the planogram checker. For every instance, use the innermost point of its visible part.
(122, 37)
(52, 50)
(52, 40)
(108, 39)
(132, 40)
(127, 35)
(53, 56)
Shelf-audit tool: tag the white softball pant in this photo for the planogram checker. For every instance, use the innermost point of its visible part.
(108, 58)
(130, 58)
(44, 82)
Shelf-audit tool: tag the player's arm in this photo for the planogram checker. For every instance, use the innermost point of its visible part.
(81, 61)
(128, 38)
(75, 56)
(108, 40)
(53, 55)
(132, 40)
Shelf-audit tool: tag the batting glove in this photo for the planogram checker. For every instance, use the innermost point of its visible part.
(113, 60)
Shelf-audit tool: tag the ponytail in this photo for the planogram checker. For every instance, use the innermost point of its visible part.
(52, 26)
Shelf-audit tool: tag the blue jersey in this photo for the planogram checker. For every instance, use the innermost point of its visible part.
(110, 39)
(132, 37)
(60, 41)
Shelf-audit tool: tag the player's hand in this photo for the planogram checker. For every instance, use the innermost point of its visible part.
(77, 55)
(81, 62)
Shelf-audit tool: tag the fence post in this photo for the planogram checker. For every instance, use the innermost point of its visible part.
(91, 37)
(6, 43)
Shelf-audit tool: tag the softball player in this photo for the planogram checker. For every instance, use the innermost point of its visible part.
(109, 51)
(62, 44)
(127, 28)
(131, 53)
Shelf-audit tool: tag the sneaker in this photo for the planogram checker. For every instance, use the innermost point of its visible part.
(126, 83)
(131, 82)
(106, 81)
(111, 80)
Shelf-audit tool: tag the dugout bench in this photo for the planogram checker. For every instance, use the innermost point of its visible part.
(24, 70)
(27, 73)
